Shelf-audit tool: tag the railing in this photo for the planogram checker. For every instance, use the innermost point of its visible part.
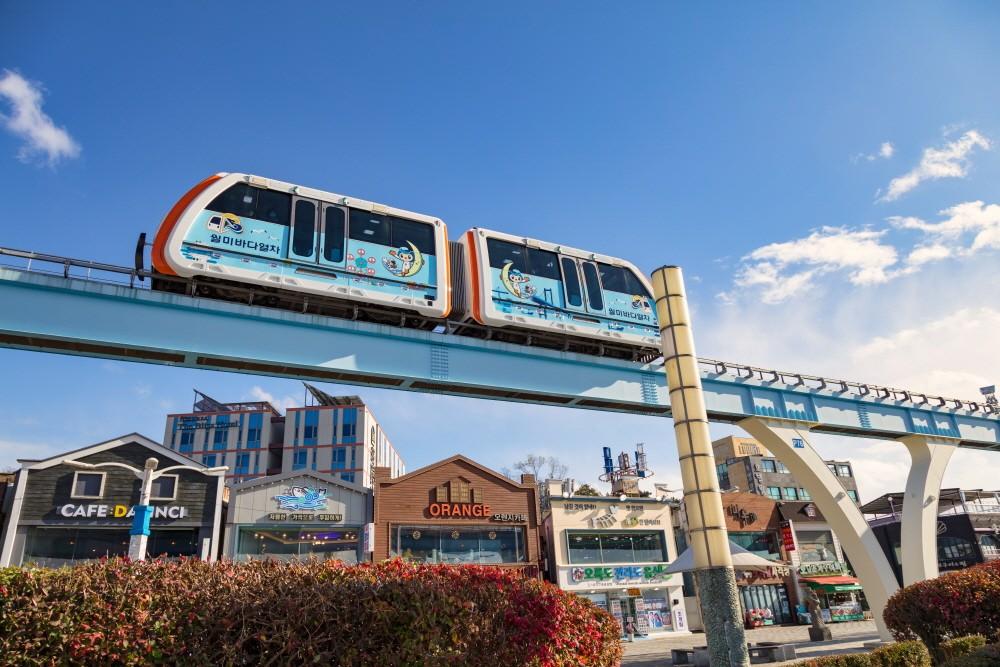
(110, 273)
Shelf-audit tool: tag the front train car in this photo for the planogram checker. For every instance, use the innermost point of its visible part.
(559, 292)
(238, 229)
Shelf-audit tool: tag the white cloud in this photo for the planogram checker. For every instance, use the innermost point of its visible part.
(885, 151)
(282, 403)
(975, 217)
(927, 253)
(949, 161)
(27, 120)
(788, 268)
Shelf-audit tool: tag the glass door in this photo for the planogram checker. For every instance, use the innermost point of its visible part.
(333, 233)
(592, 281)
(303, 238)
(572, 285)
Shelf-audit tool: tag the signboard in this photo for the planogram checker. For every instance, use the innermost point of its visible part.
(368, 538)
(303, 500)
(197, 423)
(833, 567)
(612, 576)
(71, 511)
(787, 536)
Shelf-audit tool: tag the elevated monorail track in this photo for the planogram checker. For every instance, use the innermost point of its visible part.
(64, 305)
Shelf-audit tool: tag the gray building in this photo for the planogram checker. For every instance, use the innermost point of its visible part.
(58, 514)
(298, 514)
(744, 464)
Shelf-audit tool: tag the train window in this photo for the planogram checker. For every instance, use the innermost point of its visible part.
(246, 201)
(419, 234)
(593, 282)
(543, 263)
(572, 281)
(502, 252)
(613, 278)
(635, 286)
(369, 227)
(333, 234)
(304, 231)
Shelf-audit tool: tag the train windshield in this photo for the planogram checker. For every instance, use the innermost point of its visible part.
(620, 279)
(388, 230)
(247, 201)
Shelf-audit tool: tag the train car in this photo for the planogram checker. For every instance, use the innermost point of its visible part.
(556, 292)
(239, 229)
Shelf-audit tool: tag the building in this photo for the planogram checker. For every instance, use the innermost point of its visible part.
(457, 511)
(614, 551)
(59, 514)
(743, 464)
(968, 529)
(298, 514)
(335, 435)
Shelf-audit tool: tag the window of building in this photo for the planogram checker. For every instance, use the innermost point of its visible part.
(774, 492)
(844, 471)
(486, 545)
(88, 484)
(815, 545)
(832, 467)
(954, 547)
(208, 460)
(791, 493)
(722, 470)
(615, 547)
(781, 467)
(187, 441)
(299, 459)
(242, 464)
(347, 476)
(761, 543)
(768, 465)
(313, 466)
(219, 438)
(594, 296)
(339, 460)
(164, 488)
(284, 544)
(311, 429)
(804, 495)
(852, 494)
(350, 429)
(571, 278)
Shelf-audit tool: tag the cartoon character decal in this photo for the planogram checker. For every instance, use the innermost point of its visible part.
(516, 282)
(404, 262)
(302, 498)
(223, 221)
(639, 302)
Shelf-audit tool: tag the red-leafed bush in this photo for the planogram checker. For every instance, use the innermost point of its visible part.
(391, 613)
(966, 602)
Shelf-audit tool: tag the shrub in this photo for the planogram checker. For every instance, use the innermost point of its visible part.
(391, 613)
(956, 604)
(985, 656)
(901, 654)
(846, 660)
(956, 648)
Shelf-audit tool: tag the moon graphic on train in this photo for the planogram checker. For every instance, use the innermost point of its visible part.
(404, 262)
(516, 282)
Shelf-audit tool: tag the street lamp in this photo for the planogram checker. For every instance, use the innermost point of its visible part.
(139, 534)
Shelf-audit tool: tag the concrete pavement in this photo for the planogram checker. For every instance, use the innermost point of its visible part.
(847, 638)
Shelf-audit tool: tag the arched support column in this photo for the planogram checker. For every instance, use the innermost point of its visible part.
(918, 540)
(790, 443)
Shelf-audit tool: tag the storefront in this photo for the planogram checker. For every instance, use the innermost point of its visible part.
(837, 591)
(457, 512)
(59, 514)
(297, 515)
(615, 553)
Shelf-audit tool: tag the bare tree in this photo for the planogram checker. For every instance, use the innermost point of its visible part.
(542, 467)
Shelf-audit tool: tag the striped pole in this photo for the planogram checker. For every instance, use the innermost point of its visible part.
(720, 608)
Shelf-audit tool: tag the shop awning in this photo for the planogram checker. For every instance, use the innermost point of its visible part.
(742, 560)
(833, 584)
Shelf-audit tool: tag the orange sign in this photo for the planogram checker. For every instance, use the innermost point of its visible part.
(458, 510)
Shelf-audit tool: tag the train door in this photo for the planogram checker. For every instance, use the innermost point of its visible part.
(572, 285)
(333, 234)
(303, 234)
(592, 283)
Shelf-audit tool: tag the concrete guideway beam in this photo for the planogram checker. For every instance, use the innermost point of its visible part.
(918, 541)
(790, 443)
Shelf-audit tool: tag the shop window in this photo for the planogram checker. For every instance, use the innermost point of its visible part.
(761, 543)
(485, 545)
(584, 548)
(815, 546)
(293, 543)
(954, 547)
(88, 484)
(164, 487)
(611, 547)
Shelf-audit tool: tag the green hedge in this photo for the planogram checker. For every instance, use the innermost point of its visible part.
(985, 656)
(960, 646)
(900, 654)
(391, 613)
(956, 604)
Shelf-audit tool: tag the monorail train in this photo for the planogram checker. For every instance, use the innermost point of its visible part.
(294, 246)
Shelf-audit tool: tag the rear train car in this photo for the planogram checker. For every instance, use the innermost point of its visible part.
(238, 229)
(549, 291)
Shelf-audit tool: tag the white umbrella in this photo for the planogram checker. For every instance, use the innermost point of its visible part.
(742, 560)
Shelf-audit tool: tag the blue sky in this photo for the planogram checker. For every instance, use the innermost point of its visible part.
(794, 159)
